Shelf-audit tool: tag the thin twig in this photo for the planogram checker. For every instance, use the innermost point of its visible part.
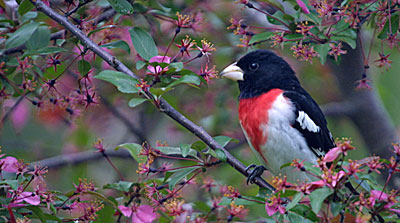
(8, 113)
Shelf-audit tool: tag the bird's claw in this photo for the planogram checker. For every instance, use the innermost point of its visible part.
(254, 171)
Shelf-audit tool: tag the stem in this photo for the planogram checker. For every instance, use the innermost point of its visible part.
(248, 199)
(178, 158)
(170, 43)
(190, 60)
(76, 8)
(113, 166)
(8, 113)
(267, 14)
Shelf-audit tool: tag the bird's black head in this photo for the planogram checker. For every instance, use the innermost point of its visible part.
(260, 71)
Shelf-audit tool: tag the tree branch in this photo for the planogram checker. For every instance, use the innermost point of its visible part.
(77, 158)
(338, 109)
(91, 155)
(164, 106)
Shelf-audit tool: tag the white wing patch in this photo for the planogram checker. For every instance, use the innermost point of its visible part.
(318, 151)
(306, 122)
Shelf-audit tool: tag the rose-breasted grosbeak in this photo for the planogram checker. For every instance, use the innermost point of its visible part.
(279, 118)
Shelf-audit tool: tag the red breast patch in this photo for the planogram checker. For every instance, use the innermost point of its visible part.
(253, 112)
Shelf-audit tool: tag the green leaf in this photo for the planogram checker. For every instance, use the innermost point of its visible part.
(313, 169)
(286, 165)
(202, 206)
(175, 151)
(336, 207)
(278, 14)
(124, 82)
(225, 201)
(140, 64)
(395, 26)
(167, 176)
(25, 7)
(260, 37)
(179, 175)
(101, 28)
(28, 16)
(84, 67)
(185, 148)
(264, 192)
(293, 217)
(199, 146)
(187, 79)
(12, 183)
(134, 149)
(119, 44)
(317, 198)
(220, 154)
(224, 140)
(60, 42)
(44, 51)
(166, 79)
(349, 36)
(178, 66)
(306, 212)
(295, 201)
(210, 152)
(293, 36)
(136, 101)
(37, 212)
(39, 39)
(43, 217)
(105, 214)
(22, 35)
(124, 186)
(322, 50)
(289, 193)
(139, 7)
(143, 43)
(160, 91)
(121, 6)
(313, 17)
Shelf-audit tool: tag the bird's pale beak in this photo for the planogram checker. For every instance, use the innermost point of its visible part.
(232, 72)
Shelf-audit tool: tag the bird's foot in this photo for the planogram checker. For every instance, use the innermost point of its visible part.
(254, 171)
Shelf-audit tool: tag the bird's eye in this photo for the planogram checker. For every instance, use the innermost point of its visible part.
(253, 66)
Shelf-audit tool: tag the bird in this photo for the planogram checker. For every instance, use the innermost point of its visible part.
(279, 118)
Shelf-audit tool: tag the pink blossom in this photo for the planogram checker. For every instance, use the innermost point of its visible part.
(379, 195)
(342, 147)
(274, 206)
(332, 154)
(126, 211)
(158, 69)
(9, 164)
(303, 6)
(141, 214)
(28, 197)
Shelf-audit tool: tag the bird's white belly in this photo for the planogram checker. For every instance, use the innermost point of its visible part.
(284, 143)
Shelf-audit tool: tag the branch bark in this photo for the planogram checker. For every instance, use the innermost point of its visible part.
(164, 106)
(77, 158)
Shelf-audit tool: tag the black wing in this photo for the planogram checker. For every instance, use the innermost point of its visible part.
(310, 121)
